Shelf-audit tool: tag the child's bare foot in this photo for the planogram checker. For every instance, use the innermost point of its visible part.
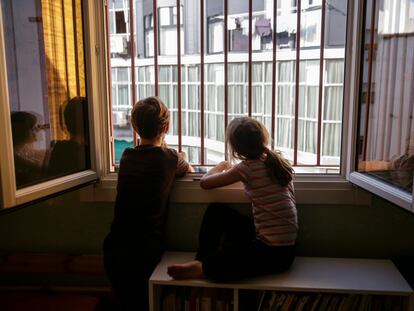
(188, 270)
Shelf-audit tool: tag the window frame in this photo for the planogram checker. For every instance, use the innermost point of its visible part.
(10, 196)
(310, 188)
(382, 189)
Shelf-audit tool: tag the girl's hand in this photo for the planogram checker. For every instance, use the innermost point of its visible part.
(221, 175)
(222, 166)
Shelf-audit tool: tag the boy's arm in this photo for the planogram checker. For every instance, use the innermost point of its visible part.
(222, 174)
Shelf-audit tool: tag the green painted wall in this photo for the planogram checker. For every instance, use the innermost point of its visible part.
(64, 224)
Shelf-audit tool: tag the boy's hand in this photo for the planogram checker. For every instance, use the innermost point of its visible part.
(183, 155)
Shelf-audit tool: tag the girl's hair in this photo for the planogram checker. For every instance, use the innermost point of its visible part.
(149, 117)
(247, 138)
(23, 126)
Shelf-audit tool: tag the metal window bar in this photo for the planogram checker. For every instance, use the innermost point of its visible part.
(109, 89)
(155, 29)
(298, 18)
(132, 51)
(274, 37)
(370, 61)
(226, 75)
(178, 5)
(249, 68)
(321, 84)
(202, 86)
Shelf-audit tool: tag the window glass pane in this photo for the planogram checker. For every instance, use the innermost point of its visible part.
(238, 25)
(333, 78)
(47, 88)
(164, 74)
(215, 34)
(386, 146)
(165, 16)
(111, 24)
(120, 22)
(117, 4)
(122, 75)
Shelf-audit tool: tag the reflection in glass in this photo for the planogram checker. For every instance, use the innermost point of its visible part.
(45, 70)
(28, 160)
(386, 149)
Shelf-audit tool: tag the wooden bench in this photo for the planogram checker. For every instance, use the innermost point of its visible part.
(339, 277)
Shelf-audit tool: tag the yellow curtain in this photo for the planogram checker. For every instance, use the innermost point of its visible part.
(65, 68)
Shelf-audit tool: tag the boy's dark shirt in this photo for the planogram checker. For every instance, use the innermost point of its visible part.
(145, 178)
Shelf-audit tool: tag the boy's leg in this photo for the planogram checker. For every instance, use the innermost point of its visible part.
(129, 274)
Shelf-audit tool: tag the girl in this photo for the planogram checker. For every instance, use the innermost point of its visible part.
(146, 173)
(231, 245)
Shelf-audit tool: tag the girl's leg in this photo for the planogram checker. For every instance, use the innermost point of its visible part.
(223, 228)
(254, 259)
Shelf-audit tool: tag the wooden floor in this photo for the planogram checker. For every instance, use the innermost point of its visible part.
(44, 301)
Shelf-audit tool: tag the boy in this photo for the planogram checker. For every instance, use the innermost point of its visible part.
(135, 243)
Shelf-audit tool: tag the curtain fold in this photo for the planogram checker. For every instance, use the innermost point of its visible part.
(65, 68)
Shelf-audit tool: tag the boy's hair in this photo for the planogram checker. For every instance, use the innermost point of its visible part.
(149, 117)
(247, 138)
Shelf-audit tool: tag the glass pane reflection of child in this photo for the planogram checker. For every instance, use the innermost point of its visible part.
(135, 243)
(231, 245)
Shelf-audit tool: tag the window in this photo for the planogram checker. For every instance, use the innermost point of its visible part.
(291, 75)
(215, 63)
(120, 22)
(385, 153)
(45, 100)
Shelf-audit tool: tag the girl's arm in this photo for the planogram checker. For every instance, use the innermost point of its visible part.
(222, 174)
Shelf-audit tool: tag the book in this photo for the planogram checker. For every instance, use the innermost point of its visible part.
(206, 300)
(262, 298)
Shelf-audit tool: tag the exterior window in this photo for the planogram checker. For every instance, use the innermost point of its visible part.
(120, 22)
(168, 31)
(215, 63)
(386, 127)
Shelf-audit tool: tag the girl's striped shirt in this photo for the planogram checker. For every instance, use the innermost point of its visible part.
(274, 206)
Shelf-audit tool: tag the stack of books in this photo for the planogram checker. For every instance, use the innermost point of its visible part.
(181, 298)
(281, 301)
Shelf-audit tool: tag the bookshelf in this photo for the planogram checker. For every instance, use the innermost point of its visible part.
(331, 283)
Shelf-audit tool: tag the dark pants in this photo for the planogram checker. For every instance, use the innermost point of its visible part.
(229, 250)
(129, 273)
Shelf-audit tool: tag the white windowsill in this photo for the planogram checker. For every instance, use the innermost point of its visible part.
(309, 190)
(382, 189)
